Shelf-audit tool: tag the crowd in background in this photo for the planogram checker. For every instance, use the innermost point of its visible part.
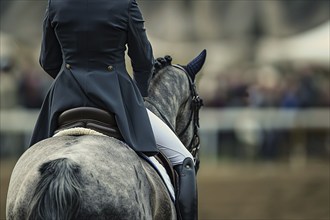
(281, 85)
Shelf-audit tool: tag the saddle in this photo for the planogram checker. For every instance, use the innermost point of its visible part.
(105, 123)
(92, 118)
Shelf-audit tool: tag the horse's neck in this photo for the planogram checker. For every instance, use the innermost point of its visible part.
(168, 91)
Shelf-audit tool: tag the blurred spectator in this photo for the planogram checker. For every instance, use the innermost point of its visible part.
(31, 90)
(8, 80)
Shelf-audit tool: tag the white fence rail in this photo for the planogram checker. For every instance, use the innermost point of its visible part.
(222, 119)
(17, 120)
(22, 120)
(249, 121)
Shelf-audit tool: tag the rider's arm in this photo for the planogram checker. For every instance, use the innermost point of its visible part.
(139, 49)
(51, 55)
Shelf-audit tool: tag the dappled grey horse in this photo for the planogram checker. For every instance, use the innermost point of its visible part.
(93, 176)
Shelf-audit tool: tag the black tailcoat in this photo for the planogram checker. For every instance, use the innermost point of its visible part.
(83, 49)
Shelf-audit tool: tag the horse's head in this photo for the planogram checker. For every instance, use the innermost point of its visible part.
(174, 99)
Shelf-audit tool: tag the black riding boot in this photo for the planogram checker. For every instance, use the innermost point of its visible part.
(186, 196)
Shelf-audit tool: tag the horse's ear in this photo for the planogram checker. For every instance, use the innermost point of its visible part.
(196, 64)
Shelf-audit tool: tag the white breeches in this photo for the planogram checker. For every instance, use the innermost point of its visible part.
(167, 141)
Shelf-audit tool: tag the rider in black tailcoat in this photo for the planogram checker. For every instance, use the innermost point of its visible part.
(83, 47)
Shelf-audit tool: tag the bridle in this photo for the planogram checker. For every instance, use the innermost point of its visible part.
(196, 103)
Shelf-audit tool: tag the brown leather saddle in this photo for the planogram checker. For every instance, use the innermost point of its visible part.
(92, 118)
(104, 122)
